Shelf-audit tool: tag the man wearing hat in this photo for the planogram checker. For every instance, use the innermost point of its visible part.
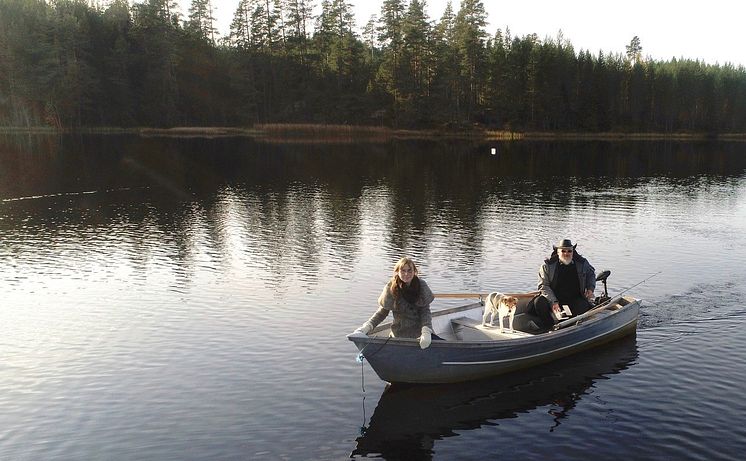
(565, 278)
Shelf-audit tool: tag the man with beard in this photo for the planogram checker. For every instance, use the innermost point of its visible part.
(565, 278)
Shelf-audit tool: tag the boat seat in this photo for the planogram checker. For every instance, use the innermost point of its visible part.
(468, 329)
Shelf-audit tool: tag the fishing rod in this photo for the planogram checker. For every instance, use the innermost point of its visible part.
(636, 284)
(603, 301)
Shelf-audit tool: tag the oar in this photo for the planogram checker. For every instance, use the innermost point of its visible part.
(460, 295)
(483, 295)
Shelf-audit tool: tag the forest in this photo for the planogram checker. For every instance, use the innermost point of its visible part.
(70, 64)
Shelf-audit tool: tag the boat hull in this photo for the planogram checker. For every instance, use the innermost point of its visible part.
(400, 360)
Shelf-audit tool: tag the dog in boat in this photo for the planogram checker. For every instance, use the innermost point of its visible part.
(499, 305)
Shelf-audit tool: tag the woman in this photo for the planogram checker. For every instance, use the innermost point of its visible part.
(409, 298)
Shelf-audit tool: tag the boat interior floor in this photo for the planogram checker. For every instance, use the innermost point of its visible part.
(468, 329)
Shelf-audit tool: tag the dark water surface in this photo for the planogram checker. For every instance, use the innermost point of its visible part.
(188, 299)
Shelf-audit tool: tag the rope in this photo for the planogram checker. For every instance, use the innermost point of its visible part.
(360, 359)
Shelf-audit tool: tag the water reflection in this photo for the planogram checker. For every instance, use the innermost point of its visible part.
(202, 202)
(409, 419)
(122, 246)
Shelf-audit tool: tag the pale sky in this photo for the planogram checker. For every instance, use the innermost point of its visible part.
(711, 30)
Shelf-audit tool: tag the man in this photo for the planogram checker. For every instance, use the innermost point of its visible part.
(565, 278)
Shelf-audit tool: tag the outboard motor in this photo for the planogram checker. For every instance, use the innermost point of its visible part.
(602, 278)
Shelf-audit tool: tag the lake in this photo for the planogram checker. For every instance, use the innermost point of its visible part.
(188, 299)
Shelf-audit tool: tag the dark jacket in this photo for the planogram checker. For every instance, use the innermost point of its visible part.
(548, 273)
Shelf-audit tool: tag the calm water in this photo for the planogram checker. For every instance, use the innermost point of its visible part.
(188, 299)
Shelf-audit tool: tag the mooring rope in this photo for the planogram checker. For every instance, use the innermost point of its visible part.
(360, 358)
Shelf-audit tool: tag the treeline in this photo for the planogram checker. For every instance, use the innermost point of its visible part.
(67, 64)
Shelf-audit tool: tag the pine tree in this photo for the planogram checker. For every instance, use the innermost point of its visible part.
(155, 32)
(240, 28)
(391, 36)
(634, 49)
(370, 34)
(470, 36)
(299, 14)
(445, 85)
(201, 18)
(417, 53)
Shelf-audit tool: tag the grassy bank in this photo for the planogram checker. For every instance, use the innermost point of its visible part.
(288, 132)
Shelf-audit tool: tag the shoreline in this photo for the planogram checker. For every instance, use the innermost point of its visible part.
(349, 133)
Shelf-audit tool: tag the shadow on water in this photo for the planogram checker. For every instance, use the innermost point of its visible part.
(409, 418)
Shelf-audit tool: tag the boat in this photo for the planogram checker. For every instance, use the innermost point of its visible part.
(470, 350)
(408, 418)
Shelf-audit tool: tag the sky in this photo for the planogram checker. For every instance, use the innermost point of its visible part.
(711, 31)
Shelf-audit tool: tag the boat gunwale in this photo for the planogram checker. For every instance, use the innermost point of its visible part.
(483, 343)
(560, 350)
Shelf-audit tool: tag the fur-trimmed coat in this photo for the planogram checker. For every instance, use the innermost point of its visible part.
(408, 318)
(548, 272)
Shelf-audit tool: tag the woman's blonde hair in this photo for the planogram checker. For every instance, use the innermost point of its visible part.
(396, 282)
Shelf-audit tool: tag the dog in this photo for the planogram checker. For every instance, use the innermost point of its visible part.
(500, 306)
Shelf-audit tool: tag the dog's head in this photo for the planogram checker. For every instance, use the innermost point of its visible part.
(510, 301)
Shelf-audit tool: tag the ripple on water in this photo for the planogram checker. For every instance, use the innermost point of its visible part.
(141, 325)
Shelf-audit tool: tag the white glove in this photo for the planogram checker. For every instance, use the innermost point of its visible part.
(365, 328)
(425, 337)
